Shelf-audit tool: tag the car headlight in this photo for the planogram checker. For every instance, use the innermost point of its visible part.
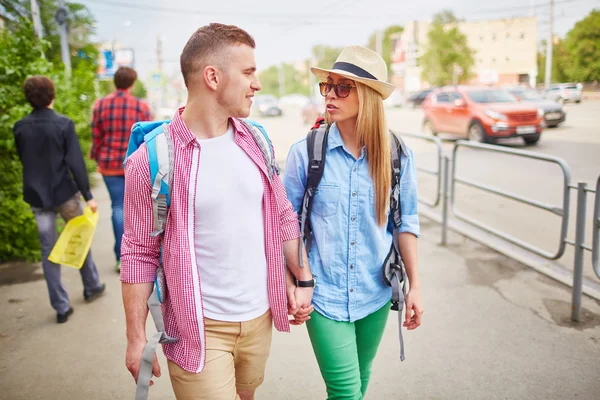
(495, 115)
(540, 112)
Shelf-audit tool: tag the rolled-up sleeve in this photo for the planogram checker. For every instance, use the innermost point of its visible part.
(140, 252)
(409, 197)
(290, 229)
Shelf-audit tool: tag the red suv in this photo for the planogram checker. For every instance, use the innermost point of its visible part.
(481, 114)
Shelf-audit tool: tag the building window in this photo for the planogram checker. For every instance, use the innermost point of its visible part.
(507, 35)
(481, 37)
(494, 37)
(507, 59)
(493, 60)
(522, 35)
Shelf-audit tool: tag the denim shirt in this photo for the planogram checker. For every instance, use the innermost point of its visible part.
(349, 247)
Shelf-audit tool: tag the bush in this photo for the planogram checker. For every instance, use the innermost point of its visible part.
(21, 57)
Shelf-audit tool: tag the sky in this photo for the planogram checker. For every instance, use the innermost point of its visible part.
(286, 31)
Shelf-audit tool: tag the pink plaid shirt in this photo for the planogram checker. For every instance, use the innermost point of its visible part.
(182, 310)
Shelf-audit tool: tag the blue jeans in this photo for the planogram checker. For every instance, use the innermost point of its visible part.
(46, 224)
(116, 189)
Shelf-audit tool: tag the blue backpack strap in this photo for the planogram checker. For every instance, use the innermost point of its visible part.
(264, 142)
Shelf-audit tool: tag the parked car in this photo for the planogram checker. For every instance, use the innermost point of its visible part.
(564, 93)
(312, 110)
(267, 105)
(481, 114)
(417, 99)
(552, 111)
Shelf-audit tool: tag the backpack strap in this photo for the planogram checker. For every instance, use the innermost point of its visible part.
(316, 143)
(145, 372)
(262, 140)
(161, 158)
(393, 269)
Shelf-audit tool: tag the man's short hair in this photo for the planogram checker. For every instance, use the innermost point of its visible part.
(39, 91)
(125, 77)
(208, 41)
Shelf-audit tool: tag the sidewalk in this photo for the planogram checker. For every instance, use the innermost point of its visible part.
(492, 329)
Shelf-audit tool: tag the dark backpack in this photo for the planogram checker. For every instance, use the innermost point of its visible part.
(393, 271)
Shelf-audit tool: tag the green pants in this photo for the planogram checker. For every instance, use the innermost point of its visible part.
(345, 351)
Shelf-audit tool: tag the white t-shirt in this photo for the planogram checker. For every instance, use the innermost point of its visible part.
(229, 232)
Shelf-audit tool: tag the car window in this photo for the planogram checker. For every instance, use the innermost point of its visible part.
(443, 98)
(571, 87)
(491, 96)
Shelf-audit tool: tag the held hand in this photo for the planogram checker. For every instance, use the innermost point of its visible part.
(414, 309)
(133, 360)
(290, 287)
(304, 296)
(302, 316)
(92, 205)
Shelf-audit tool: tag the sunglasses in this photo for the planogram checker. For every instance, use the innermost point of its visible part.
(342, 90)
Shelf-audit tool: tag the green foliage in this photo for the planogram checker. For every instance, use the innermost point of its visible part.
(561, 60)
(295, 81)
(583, 46)
(325, 56)
(21, 56)
(386, 43)
(108, 86)
(447, 47)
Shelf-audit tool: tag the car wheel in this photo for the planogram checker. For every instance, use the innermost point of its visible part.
(531, 139)
(578, 101)
(552, 126)
(477, 133)
(428, 128)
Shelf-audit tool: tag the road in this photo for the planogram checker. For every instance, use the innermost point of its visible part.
(577, 142)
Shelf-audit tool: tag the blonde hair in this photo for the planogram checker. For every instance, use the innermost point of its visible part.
(373, 134)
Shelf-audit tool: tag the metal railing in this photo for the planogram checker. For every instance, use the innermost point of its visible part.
(450, 179)
(562, 212)
(596, 232)
(437, 172)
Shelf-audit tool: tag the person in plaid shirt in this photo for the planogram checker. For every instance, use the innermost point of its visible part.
(112, 119)
(229, 235)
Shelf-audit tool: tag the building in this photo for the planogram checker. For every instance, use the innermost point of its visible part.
(505, 52)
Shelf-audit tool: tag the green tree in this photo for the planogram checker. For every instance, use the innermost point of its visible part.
(386, 43)
(19, 58)
(294, 80)
(325, 56)
(583, 44)
(447, 49)
(108, 86)
(560, 63)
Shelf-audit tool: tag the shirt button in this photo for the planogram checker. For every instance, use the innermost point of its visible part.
(353, 194)
(354, 169)
(353, 218)
(352, 243)
(352, 267)
(351, 290)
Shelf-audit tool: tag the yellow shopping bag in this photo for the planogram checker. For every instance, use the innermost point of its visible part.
(75, 241)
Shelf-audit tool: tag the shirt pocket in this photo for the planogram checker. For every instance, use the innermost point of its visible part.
(326, 201)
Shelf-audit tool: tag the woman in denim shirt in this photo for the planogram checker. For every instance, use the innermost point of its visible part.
(351, 225)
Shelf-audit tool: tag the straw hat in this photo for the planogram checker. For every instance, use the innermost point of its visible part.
(361, 65)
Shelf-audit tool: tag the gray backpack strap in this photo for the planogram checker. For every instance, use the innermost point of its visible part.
(263, 142)
(393, 269)
(161, 198)
(316, 143)
(145, 372)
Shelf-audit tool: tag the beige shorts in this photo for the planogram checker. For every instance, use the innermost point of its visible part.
(236, 356)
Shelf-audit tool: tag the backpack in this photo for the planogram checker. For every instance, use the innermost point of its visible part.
(393, 270)
(161, 159)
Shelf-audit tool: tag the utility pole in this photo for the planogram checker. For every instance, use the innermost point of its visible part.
(61, 20)
(37, 22)
(548, 75)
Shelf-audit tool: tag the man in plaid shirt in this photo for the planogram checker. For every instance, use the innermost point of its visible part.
(111, 125)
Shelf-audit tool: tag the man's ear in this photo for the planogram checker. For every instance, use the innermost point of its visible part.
(211, 77)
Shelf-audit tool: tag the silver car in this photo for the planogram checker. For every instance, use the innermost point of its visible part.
(564, 92)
